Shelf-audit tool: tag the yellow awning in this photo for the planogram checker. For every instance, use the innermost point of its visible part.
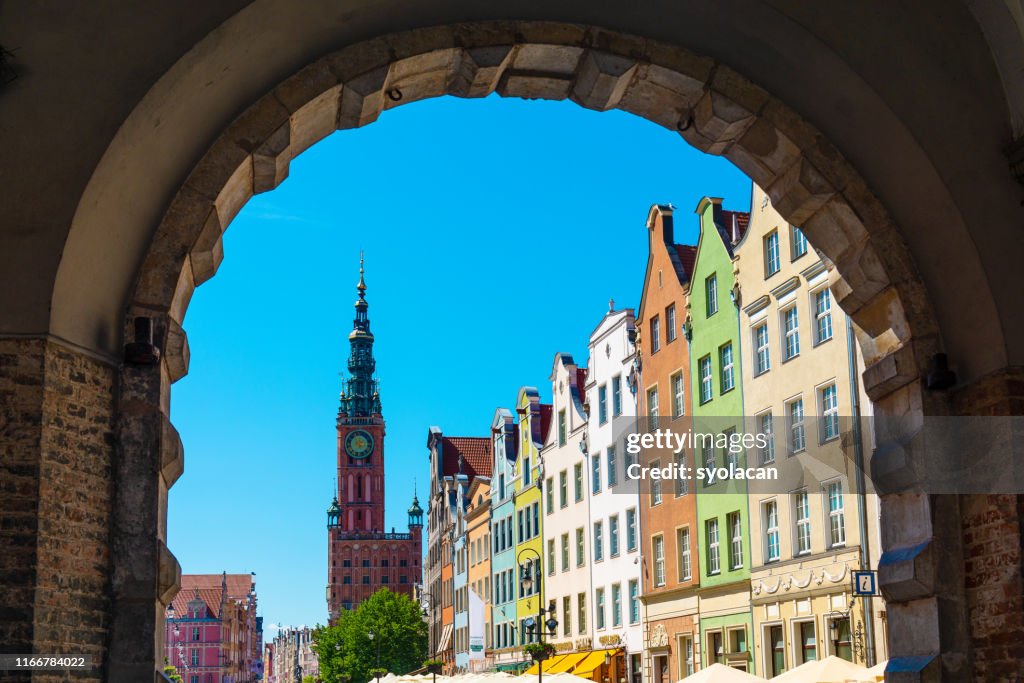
(568, 662)
(548, 664)
(595, 659)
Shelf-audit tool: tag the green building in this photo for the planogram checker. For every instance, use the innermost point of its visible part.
(722, 525)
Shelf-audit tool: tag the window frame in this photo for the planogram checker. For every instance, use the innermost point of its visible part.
(755, 330)
(790, 351)
(658, 559)
(670, 323)
(707, 379)
(772, 255)
(821, 315)
(711, 295)
(684, 557)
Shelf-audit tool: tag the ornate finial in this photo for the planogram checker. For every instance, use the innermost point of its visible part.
(362, 282)
(611, 305)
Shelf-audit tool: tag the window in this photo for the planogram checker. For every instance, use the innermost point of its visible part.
(631, 530)
(616, 395)
(652, 408)
(798, 241)
(730, 453)
(717, 652)
(580, 548)
(195, 657)
(563, 488)
(736, 547)
(795, 417)
(713, 557)
(536, 520)
(683, 550)
(658, 544)
(678, 395)
(522, 530)
(655, 334)
(686, 655)
(829, 413)
(634, 601)
(577, 473)
(602, 404)
(771, 253)
(822, 316)
(771, 531)
(565, 552)
(791, 329)
(527, 472)
(613, 535)
(655, 485)
(549, 490)
(802, 514)
(762, 354)
(682, 483)
(566, 616)
(836, 515)
(726, 369)
(598, 541)
(705, 379)
(768, 430)
(551, 557)
(613, 472)
(561, 428)
(599, 608)
(737, 640)
(617, 604)
(843, 643)
(581, 613)
(807, 642)
(195, 633)
(595, 473)
(708, 450)
(777, 650)
(711, 294)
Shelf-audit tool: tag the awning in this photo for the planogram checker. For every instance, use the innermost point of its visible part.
(593, 661)
(446, 637)
(568, 662)
(549, 663)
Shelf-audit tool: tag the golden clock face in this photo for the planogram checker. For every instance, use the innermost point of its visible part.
(359, 444)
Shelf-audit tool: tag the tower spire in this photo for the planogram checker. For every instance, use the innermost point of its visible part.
(361, 397)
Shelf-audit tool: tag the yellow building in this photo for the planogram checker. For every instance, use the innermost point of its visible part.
(534, 418)
(801, 388)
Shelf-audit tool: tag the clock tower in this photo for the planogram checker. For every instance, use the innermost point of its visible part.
(363, 556)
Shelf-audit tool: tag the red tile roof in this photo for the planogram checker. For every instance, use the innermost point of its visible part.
(742, 223)
(545, 418)
(209, 590)
(476, 453)
(687, 254)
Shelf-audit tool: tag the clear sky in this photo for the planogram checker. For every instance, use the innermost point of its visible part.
(495, 233)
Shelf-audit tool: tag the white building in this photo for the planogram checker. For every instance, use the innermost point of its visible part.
(566, 510)
(614, 499)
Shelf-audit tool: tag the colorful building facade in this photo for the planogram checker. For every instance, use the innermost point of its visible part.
(534, 418)
(504, 579)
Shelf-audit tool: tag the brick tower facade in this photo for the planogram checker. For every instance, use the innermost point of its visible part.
(362, 556)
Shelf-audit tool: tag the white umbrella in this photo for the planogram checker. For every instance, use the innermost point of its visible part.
(832, 669)
(720, 673)
(877, 672)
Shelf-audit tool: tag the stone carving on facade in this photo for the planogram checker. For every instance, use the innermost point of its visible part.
(659, 636)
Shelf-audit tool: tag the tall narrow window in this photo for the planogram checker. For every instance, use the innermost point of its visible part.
(602, 404)
(598, 541)
(616, 604)
(762, 353)
(791, 329)
(655, 485)
(711, 294)
(807, 649)
(683, 549)
(581, 612)
(795, 417)
(777, 645)
(581, 557)
(659, 560)
(567, 616)
(599, 608)
(708, 451)
(652, 408)
(768, 432)
(577, 472)
(798, 241)
(655, 334)
(616, 395)
(678, 395)
(713, 556)
(686, 652)
(631, 530)
(565, 552)
(613, 535)
(613, 468)
(670, 322)
(736, 545)
(771, 253)
(563, 488)
(728, 375)
(634, 601)
(829, 413)
(682, 483)
(802, 513)
(771, 531)
(836, 515)
(527, 472)
(595, 473)
(706, 383)
(551, 557)
(562, 435)
(822, 316)
(549, 491)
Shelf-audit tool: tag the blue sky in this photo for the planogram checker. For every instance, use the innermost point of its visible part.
(495, 233)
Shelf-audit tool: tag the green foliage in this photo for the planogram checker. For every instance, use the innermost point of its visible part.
(172, 673)
(433, 665)
(538, 652)
(308, 679)
(400, 638)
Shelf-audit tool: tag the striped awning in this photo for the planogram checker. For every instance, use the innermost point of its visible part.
(593, 662)
(446, 638)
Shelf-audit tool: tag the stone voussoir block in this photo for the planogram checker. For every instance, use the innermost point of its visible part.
(533, 86)
(178, 232)
(420, 77)
(361, 99)
(479, 69)
(720, 119)
(763, 152)
(176, 351)
(208, 251)
(172, 454)
(662, 96)
(315, 120)
(602, 80)
(271, 159)
(890, 372)
(306, 85)
(236, 192)
(799, 192)
(908, 573)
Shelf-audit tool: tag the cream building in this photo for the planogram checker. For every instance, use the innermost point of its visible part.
(816, 525)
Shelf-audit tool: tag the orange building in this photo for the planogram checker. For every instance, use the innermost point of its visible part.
(668, 513)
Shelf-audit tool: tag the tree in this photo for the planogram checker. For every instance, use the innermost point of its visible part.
(399, 639)
(172, 673)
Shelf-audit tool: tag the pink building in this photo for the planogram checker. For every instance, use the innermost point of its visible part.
(212, 633)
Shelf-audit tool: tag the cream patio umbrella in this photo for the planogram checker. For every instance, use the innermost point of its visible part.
(720, 673)
(832, 669)
(877, 672)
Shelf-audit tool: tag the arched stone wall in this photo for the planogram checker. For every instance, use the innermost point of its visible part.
(711, 106)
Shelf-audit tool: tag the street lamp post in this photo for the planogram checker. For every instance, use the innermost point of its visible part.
(373, 636)
(526, 583)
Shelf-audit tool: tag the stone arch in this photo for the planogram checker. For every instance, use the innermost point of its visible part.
(712, 107)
